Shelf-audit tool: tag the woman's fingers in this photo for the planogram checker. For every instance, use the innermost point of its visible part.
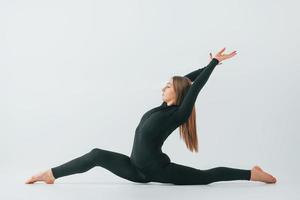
(232, 54)
(229, 55)
(222, 50)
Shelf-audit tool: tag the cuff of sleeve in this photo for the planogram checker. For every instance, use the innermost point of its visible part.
(214, 61)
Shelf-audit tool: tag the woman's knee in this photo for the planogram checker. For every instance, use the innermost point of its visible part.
(95, 150)
(102, 155)
(93, 154)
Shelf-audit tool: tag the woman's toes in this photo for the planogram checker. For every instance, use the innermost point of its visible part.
(267, 178)
(30, 180)
(272, 179)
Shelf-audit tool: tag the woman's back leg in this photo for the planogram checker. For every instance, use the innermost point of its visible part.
(184, 175)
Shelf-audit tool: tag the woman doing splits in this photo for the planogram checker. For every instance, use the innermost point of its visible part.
(147, 163)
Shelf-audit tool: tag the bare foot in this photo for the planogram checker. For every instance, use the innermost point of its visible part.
(46, 176)
(257, 174)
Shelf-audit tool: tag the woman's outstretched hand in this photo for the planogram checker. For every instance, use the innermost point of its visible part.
(220, 56)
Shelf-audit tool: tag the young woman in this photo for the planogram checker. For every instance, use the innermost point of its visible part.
(147, 163)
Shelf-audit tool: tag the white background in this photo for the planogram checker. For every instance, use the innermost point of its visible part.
(75, 75)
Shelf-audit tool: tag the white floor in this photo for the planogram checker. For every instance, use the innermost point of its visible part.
(109, 186)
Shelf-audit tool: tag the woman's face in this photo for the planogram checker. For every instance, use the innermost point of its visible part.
(168, 92)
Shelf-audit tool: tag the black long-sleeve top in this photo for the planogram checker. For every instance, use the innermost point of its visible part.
(159, 122)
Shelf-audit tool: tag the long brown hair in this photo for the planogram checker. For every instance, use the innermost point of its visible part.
(187, 130)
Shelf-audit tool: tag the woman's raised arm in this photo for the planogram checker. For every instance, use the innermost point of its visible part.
(185, 108)
(200, 77)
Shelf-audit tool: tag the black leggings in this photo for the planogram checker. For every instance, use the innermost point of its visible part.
(170, 172)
